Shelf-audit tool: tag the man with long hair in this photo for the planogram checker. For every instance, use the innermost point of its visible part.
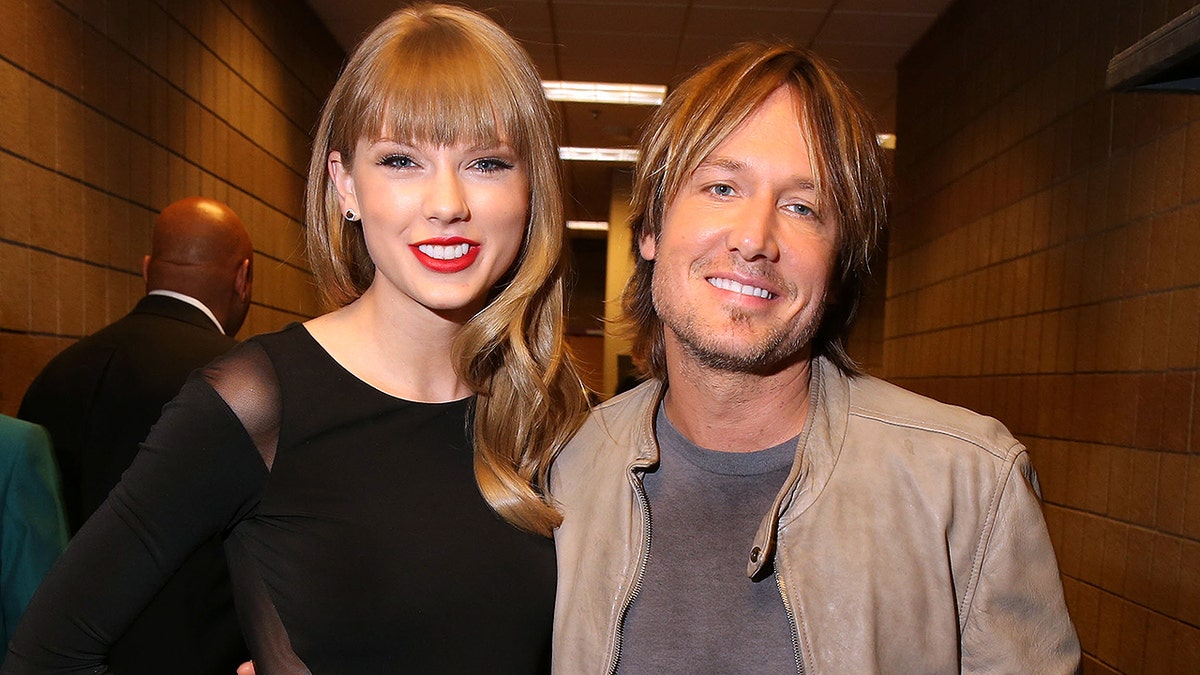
(760, 505)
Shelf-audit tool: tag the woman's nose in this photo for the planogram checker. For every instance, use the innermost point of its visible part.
(446, 200)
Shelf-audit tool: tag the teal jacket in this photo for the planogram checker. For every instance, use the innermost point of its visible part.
(33, 529)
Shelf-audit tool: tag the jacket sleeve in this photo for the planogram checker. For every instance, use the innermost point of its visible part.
(196, 476)
(34, 529)
(60, 399)
(1016, 616)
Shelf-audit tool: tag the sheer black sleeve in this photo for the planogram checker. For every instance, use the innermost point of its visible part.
(200, 472)
(247, 382)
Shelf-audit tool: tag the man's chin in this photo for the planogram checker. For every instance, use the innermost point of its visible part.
(763, 358)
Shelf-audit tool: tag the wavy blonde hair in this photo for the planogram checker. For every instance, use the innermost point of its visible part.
(444, 75)
(709, 107)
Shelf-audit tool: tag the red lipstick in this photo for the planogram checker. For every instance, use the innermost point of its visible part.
(446, 255)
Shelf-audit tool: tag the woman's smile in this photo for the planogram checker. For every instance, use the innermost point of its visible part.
(446, 254)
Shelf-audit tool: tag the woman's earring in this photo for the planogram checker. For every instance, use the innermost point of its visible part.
(351, 215)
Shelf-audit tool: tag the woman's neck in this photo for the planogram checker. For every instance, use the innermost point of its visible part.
(400, 350)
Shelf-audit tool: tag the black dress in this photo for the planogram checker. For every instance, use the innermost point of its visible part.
(356, 536)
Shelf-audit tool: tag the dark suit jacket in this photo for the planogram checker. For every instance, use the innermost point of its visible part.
(98, 399)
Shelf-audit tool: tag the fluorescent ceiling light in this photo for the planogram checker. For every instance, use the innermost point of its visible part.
(886, 141)
(605, 92)
(628, 155)
(589, 225)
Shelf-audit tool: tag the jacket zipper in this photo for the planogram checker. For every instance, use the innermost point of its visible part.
(793, 622)
(615, 657)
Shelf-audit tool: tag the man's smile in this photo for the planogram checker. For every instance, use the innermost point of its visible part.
(740, 288)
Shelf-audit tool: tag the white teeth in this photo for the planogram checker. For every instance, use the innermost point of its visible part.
(735, 287)
(444, 252)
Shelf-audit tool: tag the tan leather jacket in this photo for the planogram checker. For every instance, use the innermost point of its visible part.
(908, 538)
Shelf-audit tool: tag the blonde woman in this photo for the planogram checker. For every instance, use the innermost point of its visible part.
(355, 465)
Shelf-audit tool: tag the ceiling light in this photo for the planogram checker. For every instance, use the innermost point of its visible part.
(605, 92)
(628, 155)
(886, 141)
(588, 225)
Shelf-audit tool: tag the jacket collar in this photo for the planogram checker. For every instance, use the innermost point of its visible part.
(646, 453)
(817, 451)
(162, 305)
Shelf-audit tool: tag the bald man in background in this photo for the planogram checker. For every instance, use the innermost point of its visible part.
(100, 396)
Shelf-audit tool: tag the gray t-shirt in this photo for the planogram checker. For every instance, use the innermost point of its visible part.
(697, 611)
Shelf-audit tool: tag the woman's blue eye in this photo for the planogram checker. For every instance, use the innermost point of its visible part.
(397, 161)
(722, 190)
(492, 164)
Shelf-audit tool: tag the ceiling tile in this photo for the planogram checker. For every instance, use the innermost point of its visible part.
(930, 8)
(517, 16)
(576, 46)
(795, 25)
(821, 5)
(616, 70)
(545, 57)
(850, 56)
(860, 27)
(610, 18)
(619, 3)
(603, 126)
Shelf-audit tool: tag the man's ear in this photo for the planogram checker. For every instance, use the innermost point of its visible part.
(648, 247)
(244, 279)
(343, 182)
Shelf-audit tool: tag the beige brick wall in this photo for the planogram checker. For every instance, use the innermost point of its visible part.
(109, 111)
(1044, 268)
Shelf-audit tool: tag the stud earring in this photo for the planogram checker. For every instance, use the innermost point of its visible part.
(351, 215)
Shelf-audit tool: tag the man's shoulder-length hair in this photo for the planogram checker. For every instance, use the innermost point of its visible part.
(704, 111)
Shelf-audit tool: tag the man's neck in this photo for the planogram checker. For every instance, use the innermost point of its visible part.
(737, 412)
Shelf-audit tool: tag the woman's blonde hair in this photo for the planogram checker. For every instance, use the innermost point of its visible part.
(709, 107)
(445, 75)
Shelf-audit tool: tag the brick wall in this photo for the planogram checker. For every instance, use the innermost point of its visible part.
(109, 111)
(1044, 268)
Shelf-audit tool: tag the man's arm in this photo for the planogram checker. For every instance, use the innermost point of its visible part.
(60, 399)
(1016, 617)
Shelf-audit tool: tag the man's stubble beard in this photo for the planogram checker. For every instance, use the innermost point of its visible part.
(778, 348)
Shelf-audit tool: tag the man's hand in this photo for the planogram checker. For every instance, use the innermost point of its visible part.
(246, 668)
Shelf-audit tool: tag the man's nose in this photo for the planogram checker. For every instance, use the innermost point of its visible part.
(752, 233)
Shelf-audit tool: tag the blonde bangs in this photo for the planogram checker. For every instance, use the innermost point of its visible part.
(433, 87)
